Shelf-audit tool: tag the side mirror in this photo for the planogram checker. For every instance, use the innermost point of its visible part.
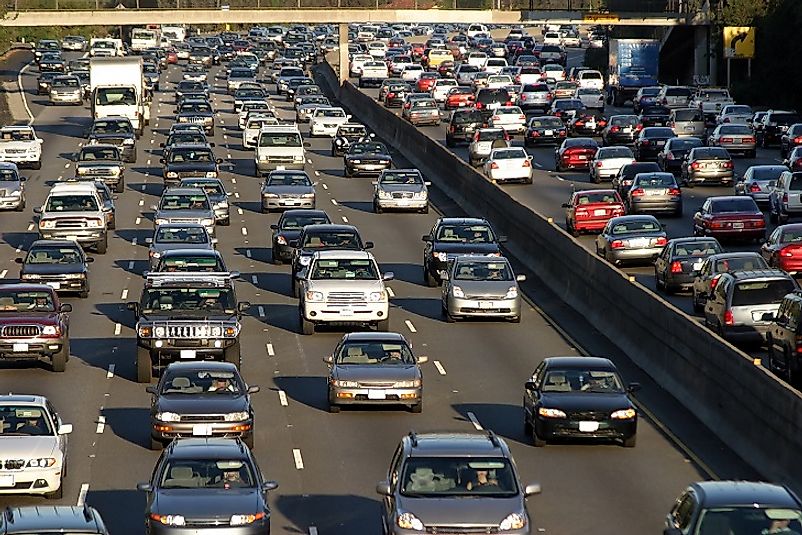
(566, 205)
(37, 210)
(148, 240)
(384, 489)
(532, 488)
(427, 183)
(18, 260)
(144, 487)
(253, 389)
(520, 278)
(633, 387)
(530, 386)
(269, 485)
(65, 429)
(65, 307)
(273, 227)
(368, 245)
(162, 160)
(426, 237)
(243, 306)
(328, 359)
(388, 276)
(151, 390)
(423, 359)
(214, 241)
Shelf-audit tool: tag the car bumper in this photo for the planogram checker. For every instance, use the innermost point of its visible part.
(576, 164)
(264, 166)
(166, 431)
(739, 147)
(31, 481)
(724, 177)
(288, 203)
(634, 255)
(67, 99)
(323, 130)
(740, 234)
(549, 428)
(84, 237)
(620, 139)
(595, 225)
(424, 119)
(655, 206)
(260, 528)
(21, 159)
(356, 313)
(401, 204)
(648, 153)
(497, 176)
(61, 284)
(747, 333)
(10, 202)
(186, 349)
(283, 252)
(367, 169)
(378, 396)
(760, 198)
(502, 308)
(680, 280)
(606, 173)
(513, 128)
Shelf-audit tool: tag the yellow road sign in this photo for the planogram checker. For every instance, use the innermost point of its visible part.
(739, 42)
(600, 17)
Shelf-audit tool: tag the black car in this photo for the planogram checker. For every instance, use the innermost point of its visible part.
(544, 130)
(53, 519)
(314, 238)
(396, 93)
(790, 139)
(346, 134)
(101, 162)
(196, 111)
(462, 125)
(190, 398)
(681, 260)
(116, 131)
(190, 87)
(181, 138)
(487, 99)
(289, 228)
(735, 507)
(44, 82)
(367, 158)
(651, 141)
(654, 116)
(295, 83)
(587, 123)
(674, 151)
(454, 236)
(623, 180)
(621, 130)
(202, 482)
(774, 124)
(579, 397)
(61, 264)
(52, 63)
(189, 160)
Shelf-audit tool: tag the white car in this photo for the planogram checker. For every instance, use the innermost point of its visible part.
(412, 72)
(591, 97)
(20, 145)
(441, 88)
(553, 70)
(325, 121)
(590, 79)
(477, 59)
(735, 114)
(511, 164)
(356, 63)
(373, 73)
(33, 446)
(552, 38)
(253, 125)
(496, 81)
(398, 63)
(377, 49)
(608, 161)
(494, 65)
(511, 118)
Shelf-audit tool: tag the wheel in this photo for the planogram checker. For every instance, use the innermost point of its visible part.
(536, 440)
(296, 292)
(119, 187)
(156, 444)
(58, 362)
(527, 427)
(37, 165)
(697, 305)
(333, 408)
(307, 327)
(630, 441)
(58, 493)
(103, 245)
(383, 325)
(264, 209)
(771, 356)
(232, 354)
(83, 294)
(21, 206)
(275, 259)
(376, 208)
(595, 178)
(446, 316)
(144, 365)
(348, 173)
(112, 224)
(225, 222)
(248, 441)
(431, 282)
(425, 210)
(417, 408)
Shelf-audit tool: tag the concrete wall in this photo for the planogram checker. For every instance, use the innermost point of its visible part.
(743, 404)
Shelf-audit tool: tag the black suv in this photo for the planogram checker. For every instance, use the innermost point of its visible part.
(454, 483)
(454, 236)
(289, 228)
(462, 125)
(51, 520)
(196, 111)
(774, 124)
(61, 264)
(189, 160)
(784, 338)
(207, 484)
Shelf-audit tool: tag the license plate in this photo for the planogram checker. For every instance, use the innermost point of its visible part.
(289, 203)
(737, 225)
(600, 212)
(346, 312)
(485, 304)
(187, 353)
(7, 480)
(628, 130)
(660, 143)
(655, 192)
(376, 394)
(462, 104)
(582, 157)
(20, 348)
(689, 129)
(757, 315)
(372, 167)
(548, 133)
(202, 430)
(588, 427)
(591, 125)
(639, 242)
(54, 285)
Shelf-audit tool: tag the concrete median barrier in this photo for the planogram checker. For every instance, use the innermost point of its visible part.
(747, 407)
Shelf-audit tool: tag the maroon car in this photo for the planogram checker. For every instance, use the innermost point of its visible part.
(730, 217)
(575, 153)
(34, 324)
(783, 249)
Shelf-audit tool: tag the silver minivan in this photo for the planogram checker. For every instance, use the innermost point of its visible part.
(687, 122)
(673, 96)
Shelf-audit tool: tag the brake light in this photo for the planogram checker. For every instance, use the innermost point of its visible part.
(479, 105)
(728, 318)
(759, 223)
(748, 140)
(725, 140)
(523, 97)
(563, 133)
(407, 106)
(645, 142)
(390, 95)
(798, 140)
(599, 164)
(676, 266)
(549, 96)
(476, 136)
(534, 133)
(728, 164)
(638, 127)
(527, 163)
(714, 281)
(579, 123)
(695, 165)
(617, 244)
(726, 119)
(785, 198)
(662, 240)
(754, 188)
(674, 191)
(638, 192)
(602, 123)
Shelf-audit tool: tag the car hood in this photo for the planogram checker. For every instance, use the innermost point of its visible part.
(196, 114)
(569, 401)
(10, 186)
(484, 288)
(465, 511)
(466, 248)
(201, 403)
(390, 188)
(99, 163)
(375, 372)
(191, 166)
(52, 269)
(206, 503)
(184, 214)
(113, 139)
(330, 285)
(17, 145)
(289, 190)
(28, 318)
(161, 247)
(22, 447)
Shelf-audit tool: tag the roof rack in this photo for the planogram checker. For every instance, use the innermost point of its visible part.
(493, 438)
(218, 278)
(413, 437)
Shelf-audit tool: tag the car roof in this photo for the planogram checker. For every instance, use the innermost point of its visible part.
(597, 363)
(73, 187)
(692, 239)
(749, 493)
(337, 254)
(462, 221)
(52, 519)
(55, 243)
(330, 227)
(759, 274)
(207, 448)
(195, 252)
(183, 191)
(23, 399)
(368, 336)
(447, 444)
(9, 165)
(203, 365)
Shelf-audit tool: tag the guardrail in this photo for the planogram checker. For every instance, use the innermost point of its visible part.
(756, 414)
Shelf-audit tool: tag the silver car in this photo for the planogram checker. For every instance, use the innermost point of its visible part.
(172, 236)
(401, 189)
(369, 368)
(713, 266)
(217, 194)
(12, 187)
(735, 138)
(185, 205)
(481, 286)
(66, 89)
(631, 238)
(758, 181)
(287, 189)
(591, 97)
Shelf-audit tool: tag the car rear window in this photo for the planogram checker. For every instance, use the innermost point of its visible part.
(768, 173)
(731, 205)
(711, 153)
(697, 248)
(741, 263)
(658, 132)
(739, 129)
(471, 116)
(687, 115)
(761, 292)
(487, 96)
(678, 92)
(796, 182)
(784, 118)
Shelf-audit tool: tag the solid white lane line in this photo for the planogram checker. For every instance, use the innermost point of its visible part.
(3, 274)
(110, 373)
(30, 227)
(410, 326)
(345, 219)
(22, 92)
(299, 461)
(117, 329)
(82, 494)
(138, 220)
(254, 279)
(261, 310)
(270, 351)
(101, 425)
(244, 231)
(439, 367)
(390, 292)
(124, 295)
(282, 398)
(474, 421)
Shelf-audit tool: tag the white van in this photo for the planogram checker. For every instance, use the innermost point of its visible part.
(279, 147)
(475, 29)
(590, 79)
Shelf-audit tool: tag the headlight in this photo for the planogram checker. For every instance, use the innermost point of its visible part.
(30, 276)
(338, 141)
(211, 174)
(314, 297)
(375, 297)
(160, 221)
(50, 330)
(305, 260)
(512, 293)
(159, 332)
(443, 257)
(75, 275)
(47, 224)
(457, 291)
(95, 222)
(128, 141)
(308, 196)
(207, 222)
(298, 158)
(169, 520)
(236, 416)
(168, 417)
(15, 193)
(172, 174)
(384, 195)
(240, 520)
(346, 384)
(144, 331)
(44, 462)
(231, 332)
(281, 240)
(356, 161)
(407, 384)
(623, 414)
(270, 195)
(550, 413)
(419, 195)
(513, 521)
(409, 521)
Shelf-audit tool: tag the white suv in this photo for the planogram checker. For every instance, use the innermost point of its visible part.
(344, 287)
(33, 446)
(20, 145)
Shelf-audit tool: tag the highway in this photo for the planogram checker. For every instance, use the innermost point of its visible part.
(327, 465)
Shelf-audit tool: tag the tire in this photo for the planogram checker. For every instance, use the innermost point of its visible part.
(536, 440)
(233, 355)
(425, 210)
(119, 187)
(383, 326)
(431, 282)
(296, 292)
(37, 165)
(248, 441)
(58, 362)
(630, 442)
(527, 426)
(275, 259)
(85, 292)
(595, 178)
(103, 245)
(417, 408)
(771, 356)
(333, 407)
(376, 208)
(156, 444)
(446, 316)
(697, 306)
(58, 493)
(307, 327)
(144, 365)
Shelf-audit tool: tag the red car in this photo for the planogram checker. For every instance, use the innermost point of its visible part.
(733, 217)
(417, 50)
(426, 81)
(575, 153)
(589, 210)
(459, 97)
(172, 57)
(783, 249)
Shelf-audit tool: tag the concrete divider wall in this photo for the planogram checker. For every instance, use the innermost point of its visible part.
(743, 404)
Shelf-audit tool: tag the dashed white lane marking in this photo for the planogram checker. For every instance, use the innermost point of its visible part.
(236, 194)
(345, 219)
(233, 180)
(124, 295)
(101, 425)
(538, 165)
(148, 161)
(152, 141)
(299, 461)
(254, 279)
(312, 530)
(66, 166)
(325, 186)
(317, 173)
(282, 398)
(474, 421)
(439, 367)
(133, 240)
(334, 202)
(138, 220)
(30, 227)
(271, 352)
(82, 494)
(3, 274)
(410, 326)
(261, 310)
(141, 202)
(558, 177)
(110, 373)
(131, 264)
(117, 329)
(390, 292)
(239, 211)
(244, 231)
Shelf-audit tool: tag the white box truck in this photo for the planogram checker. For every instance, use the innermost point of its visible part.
(105, 47)
(118, 89)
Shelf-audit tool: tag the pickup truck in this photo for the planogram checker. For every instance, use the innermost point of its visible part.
(710, 102)
(373, 73)
(20, 145)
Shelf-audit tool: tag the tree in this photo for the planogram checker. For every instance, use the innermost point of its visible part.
(743, 12)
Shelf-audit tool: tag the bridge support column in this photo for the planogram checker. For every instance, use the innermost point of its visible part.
(343, 29)
(703, 59)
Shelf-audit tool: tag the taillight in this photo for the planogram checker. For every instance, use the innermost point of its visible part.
(662, 240)
(638, 127)
(785, 198)
(523, 97)
(479, 106)
(407, 106)
(563, 133)
(602, 124)
(676, 266)
(390, 95)
(725, 140)
(637, 192)
(748, 140)
(579, 123)
(728, 318)
(617, 244)
(695, 165)
(754, 188)
(728, 164)
(452, 128)
(674, 192)
(534, 133)
(798, 140)
(550, 96)
(598, 164)
(714, 281)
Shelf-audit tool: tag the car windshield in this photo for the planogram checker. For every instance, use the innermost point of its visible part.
(684, 143)
(401, 177)
(635, 225)
(729, 205)
(597, 197)
(329, 112)
(206, 474)
(71, 203)
(194, 382)
(425, 103)
(24, 420)
(288, 179)
(582, 381)
(713, 95)
(99, 153)
(345, 269)
(191, 263)
(614, 152)
(568, 105)
(482, 271)
(368, 148)
(179, 155)
(340, 240)
(749, 519)
(187, 299)
(54, 255)
(379, 352)
(351, 131)
(181, 235)
(655, 180)
(111, 96)
(275, 139)
(458, 477)
(711, 153)
(112, 127)
(298, 221)
(9, 175)
(17, 135)
(189, 85)
(697, 248)
(688, 115)
(184, 202)
(465, 234)
(741, 110)
(655, 110)
(20, 301)
(741, 263)
(761, 292)
(508, 154)
(212, 189)
(195, 107)
(66, 82)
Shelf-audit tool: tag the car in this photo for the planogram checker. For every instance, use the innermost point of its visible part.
(758, 181)
(710, 101)
(592, 98)
(784, 339)
(187, 260)
(535, 96)
(101, 162)
(721, 506)
(785, 198)
(75, 211)
(681, 260)
(631, 239)
(451, 237)
(566, 108)
(620, 130)
(707, 165)
(441, 87)
(790, 139)
(367, 157)
(395, 94)
(191, 479)
(645, 97)
(794, 159)
(43, 82)
(484, 141)
(368, 368)
(544, 129)
(288, 229)
(608, 161)
(196, 111)
(462, 126)
(735, 114)
(346, 134)
(12, 187)
(308, 105)
(435, 482)
(623, 179)
(713, 266)
(736, 138)
(510, 164)
(774, 124)
(459, 97)
(31, 429)
(60, 264)
(325, 121)
(287, 189)
(674, 96)
(650, 142)
(687, 122)
(185, 205)
(481, 286)
(510, 118)
(590, 210)
(177, 236)
(55, 519)
(655, 116)
(66, 89)
(253, 108)
(654, 192)
(575, 153)
(564, 89)
(783, 248)
(190, 397)
(117, 131)
(488, 99)
(401, 189)
(421, 111)
(216, 192)
(673, 153)
(372, 73)
(730, 217)
(189, 160)
(579, 397)
(20, 145)
(743, 304)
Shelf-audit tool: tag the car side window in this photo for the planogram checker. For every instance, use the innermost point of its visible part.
(721, 290)
(683, 511)
(705, 268)
(782, 312)
(794, 311)
(705, 207)
(395, 465)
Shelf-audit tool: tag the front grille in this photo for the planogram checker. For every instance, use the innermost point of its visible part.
(402, 195)
(184, 220)
(346, 297)
(202, 418)
(189, 330)
(15, 151)
(70, 223)
(191, 174)
(281, 159)
(458, 530)
(369, 384)
(201, 522)
(588, 416)
(13, 464)
(112, 140)
(97, 171)
(195, 120)
(21, 331)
